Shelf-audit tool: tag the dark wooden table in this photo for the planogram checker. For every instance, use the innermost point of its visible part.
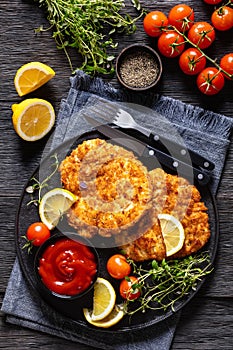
(207, 321)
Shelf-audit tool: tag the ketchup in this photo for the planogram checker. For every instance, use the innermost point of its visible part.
(67, 267)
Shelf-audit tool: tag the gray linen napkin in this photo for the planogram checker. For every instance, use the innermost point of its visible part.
(202, 130)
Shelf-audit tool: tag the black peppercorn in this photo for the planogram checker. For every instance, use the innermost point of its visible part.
(139, 69)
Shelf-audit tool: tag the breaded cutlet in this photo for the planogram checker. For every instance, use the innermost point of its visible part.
(172, 195)
(117, 196)
(113, 188)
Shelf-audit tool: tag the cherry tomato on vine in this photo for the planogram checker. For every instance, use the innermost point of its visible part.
(129, 288)
(171, 44)
(202, 34)
(212, 2)
(118, 267)
(37, 233)
(222, 18)
(191, 61)
(154, 22)
(210, 81)
(226, 63)
(182, 17)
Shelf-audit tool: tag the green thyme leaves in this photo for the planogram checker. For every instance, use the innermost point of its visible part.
(38, 186)
(164, 283)
(89, 26)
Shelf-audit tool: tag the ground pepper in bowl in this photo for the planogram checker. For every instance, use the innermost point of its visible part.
(138, 67)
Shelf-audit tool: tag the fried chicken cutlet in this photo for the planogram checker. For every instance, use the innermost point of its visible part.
(113, 187)
(117, 196)
(172, 195)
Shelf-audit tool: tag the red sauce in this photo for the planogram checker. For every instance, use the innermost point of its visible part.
(67, 267)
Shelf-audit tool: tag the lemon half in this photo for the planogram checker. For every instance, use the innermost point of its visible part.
(33, 118)
(173, 233)
(31, 76)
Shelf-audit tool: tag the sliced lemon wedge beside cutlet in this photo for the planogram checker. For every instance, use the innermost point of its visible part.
(172, 232)
(54, 204)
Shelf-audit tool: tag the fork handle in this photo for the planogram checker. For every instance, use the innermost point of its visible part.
(181, 152)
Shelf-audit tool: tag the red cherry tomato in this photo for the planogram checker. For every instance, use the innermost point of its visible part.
(182, 17)
(171, 44)
(118, 267)
(129, 288)
(37, 233)
(213, 2)
(202, 34)
(210, 81)
(154, 22)
(222, 18)
(192, 61)
(226, 63)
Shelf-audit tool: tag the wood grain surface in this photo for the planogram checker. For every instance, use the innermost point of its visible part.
(207, 321)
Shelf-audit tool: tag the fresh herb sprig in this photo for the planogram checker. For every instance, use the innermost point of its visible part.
(88, 26)
(39, 185)
(164, 283)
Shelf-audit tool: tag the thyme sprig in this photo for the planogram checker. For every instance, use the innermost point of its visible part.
(39, 185)
(164, 283)
(88, 26)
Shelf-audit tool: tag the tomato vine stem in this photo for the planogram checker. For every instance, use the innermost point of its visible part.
(213, 61)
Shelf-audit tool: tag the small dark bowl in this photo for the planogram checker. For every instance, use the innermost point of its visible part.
(138, 67)
(84, 298)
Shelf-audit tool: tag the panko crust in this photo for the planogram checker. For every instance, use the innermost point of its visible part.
(182, 200)
(117, 196)
(70, 166)
(113, 187)
(149, 245)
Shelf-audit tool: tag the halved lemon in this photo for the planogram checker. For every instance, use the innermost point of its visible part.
(104, 299)
(33, 118)
(31, 76)
(173, 233)
(54, 204)
(114, 317)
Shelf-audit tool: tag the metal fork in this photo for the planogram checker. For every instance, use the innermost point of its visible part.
(123, 119)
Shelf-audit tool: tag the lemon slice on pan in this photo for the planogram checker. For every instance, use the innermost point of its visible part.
(104, 299)
(31, 76)
(173, 233)
(114, 317)
(54, 204)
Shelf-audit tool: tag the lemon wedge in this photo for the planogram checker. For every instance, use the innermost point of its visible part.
(113, 318)
(105, 312)
(173, 233)
(33, 118)
(104, 299)
(31, 76)
(54, 204)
